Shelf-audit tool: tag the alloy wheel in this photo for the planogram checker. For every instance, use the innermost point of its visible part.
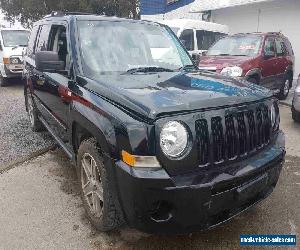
(92, 185)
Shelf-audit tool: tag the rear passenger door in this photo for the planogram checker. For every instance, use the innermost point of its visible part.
(269, 63)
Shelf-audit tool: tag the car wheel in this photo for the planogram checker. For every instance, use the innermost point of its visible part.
(295, 115)
(97, 190)
(285, 89)
(2, 81)
(35, 124)
(253, 80)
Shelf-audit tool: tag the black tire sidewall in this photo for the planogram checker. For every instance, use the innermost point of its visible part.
(281, 94)
(110, 218)
(37, 126)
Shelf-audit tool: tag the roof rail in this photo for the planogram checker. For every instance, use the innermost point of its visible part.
(66, 13)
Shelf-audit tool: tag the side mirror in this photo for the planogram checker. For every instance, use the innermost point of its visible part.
(48, 61)
(269, 54)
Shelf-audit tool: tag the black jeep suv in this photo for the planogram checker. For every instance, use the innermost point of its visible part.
(158, 144)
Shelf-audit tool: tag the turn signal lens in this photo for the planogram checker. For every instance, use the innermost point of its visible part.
(5, 60)
(140, 161)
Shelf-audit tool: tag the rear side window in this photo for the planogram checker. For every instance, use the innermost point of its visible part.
(289, 47)
(42, 43)
(187, 38)
(32, 40)
(269, 45)
(280, 47)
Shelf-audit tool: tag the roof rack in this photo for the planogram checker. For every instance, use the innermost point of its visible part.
(67, 13)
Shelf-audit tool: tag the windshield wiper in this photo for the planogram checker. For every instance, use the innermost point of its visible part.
(223, 54)
(187, 67)
(148, 69)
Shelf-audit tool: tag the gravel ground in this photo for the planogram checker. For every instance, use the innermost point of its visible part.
(16, 138)
(41, 209)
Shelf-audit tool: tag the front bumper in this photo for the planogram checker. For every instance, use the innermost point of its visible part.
(154, 202)
(13, 71)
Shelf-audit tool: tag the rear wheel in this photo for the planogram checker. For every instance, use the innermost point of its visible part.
(35, 123)
(253, 80)
(97, 190)
(285, 89)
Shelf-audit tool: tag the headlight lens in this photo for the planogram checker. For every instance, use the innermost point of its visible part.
(173, 139)
(14, 60)
(234, 71)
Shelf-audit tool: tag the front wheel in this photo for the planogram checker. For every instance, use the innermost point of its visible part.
(2, 81)
(97, 190)
(285, 89)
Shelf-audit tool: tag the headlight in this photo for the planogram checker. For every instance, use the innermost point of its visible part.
(234, 71)
(173, 139)
(14, 60)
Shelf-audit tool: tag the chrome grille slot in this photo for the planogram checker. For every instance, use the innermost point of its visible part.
(225, 138)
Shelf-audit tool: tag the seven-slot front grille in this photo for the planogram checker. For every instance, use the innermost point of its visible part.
(225, 138)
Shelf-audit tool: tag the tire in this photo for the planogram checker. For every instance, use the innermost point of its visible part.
(35, 124)
(2, 81)
(285, 89)
(97, 191)
(253, 80)
(295, 115)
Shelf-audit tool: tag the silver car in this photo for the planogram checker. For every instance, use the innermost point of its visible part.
(296, 103)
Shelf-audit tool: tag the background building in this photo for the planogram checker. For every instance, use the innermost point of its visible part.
(240, 15)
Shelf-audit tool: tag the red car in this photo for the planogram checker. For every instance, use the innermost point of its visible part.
(263, 58)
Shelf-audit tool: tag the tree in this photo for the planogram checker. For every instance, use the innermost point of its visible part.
(29, 11)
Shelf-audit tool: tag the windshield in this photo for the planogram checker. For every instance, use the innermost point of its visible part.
(236, 46)
(116, 47)
(13, 38)
(174, 29)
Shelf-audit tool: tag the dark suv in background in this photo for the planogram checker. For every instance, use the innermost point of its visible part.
(262, 58)
(157, 143)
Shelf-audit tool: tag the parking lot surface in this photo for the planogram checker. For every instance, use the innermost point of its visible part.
(41, 208)
(16, 138)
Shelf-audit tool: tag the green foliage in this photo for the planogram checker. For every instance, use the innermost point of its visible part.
(28, 11)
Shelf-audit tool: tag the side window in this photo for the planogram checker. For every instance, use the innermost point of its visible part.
(205, 39)
(58, 43)
(280, 47)
(32, 40)
(42, 43)
(187, 38)
(269, 48)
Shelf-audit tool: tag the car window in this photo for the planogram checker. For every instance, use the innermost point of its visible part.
(32, 41)
(269, 45)
(139, 45)
(13, 38)
(42, 43)
(187, 38)
(58, 42)
(239, 45)
(280, 47)
(205, 39)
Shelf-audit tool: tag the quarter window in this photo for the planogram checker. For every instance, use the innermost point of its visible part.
(269, 46)
(187, 38)
(280, 47)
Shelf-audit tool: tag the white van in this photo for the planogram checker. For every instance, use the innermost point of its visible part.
(13, 42)
(196, 35)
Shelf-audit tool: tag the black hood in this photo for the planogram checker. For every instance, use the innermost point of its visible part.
(152, 95)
